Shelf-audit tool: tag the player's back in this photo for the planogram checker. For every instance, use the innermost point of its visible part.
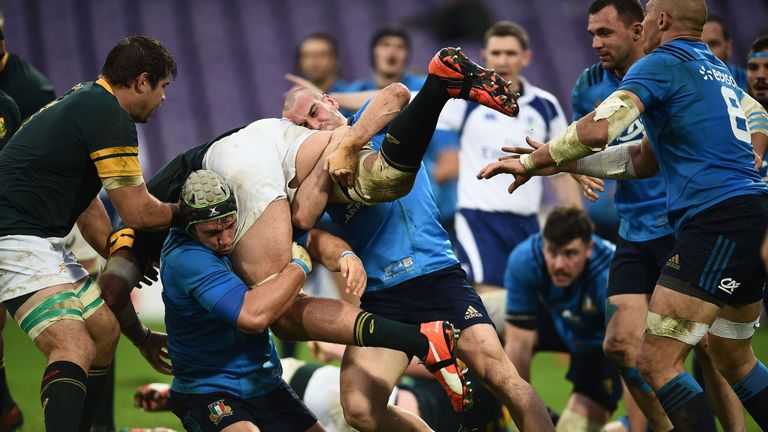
(51, 167)
(694, 121)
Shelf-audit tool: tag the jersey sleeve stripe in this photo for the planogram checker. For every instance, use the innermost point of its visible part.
(113, 151)
(118, 166)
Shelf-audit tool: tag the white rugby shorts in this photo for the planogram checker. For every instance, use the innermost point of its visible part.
(30, 263)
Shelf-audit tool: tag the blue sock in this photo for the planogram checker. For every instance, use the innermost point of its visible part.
(632, 378)
(753, 392)
(686, 404)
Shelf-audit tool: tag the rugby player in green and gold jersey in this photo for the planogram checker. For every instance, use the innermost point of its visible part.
(52, 171)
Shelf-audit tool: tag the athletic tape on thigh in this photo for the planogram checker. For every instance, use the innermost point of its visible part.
(60, 306)
(574, 422)
(727, 329)
(381, 183)
(89, 294)
(685, 331)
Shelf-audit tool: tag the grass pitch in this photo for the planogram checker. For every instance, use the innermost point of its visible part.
(25, 364)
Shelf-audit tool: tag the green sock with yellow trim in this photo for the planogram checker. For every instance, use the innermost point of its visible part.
(62, 395)
(375, 331)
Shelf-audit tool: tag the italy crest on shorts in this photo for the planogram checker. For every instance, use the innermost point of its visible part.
(219, 410)
(3, 129)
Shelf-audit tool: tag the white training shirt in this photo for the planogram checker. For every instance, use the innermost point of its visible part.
(483, 134)
(257, 162)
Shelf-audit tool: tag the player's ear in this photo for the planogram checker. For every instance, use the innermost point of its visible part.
(527, 56)
(327, 99)
(590, 248)
(637, 31)
(141, 83)
(664, 21)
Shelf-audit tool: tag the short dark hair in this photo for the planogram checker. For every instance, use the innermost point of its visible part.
(566, 224)
(629, 11)
(389, 30)
(508, 28)
(325, 37)
(759, 44)
(133, 56)
(322, 36)
(723, 26)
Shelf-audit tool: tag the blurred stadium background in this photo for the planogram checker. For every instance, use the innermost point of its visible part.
(232, 55)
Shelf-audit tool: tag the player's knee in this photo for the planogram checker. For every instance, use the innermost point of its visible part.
(79, 349)
(106, 335)
(620, 349)
(358, 413)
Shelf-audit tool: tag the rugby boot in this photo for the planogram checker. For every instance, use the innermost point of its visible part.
(11, 419)
(468, 80)
(441, 362)
(153, 397)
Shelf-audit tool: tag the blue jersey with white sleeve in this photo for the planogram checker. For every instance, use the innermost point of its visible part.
(694, 121)
(208, 352)
(397, 240)
(640, 204)
(578, 311)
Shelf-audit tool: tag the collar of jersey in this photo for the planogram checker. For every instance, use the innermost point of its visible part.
(102, 82)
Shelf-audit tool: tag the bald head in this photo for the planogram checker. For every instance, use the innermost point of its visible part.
(290, 98)
(686, 15)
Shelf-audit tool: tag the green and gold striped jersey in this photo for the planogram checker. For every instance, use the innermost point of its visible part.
(54, 165)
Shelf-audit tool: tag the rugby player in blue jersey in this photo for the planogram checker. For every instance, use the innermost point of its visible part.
(413, 274)
(225, 365)
(645, 237)
(564, 268)
(695, 119)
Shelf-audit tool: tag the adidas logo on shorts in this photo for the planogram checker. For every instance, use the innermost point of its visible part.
(472, 313)
(674, 262)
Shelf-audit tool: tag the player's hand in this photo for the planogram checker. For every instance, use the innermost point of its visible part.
(155, 350)
(351, 267)
(150, 276)
(590, 186)
(316, 349)
(341, 164)
(300, 83)
(510, 165)
(516, 152)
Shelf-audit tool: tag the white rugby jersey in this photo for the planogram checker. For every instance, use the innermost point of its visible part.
(484, 131)
(258, 162)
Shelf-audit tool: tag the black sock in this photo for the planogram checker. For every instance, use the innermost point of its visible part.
(62, 395)
(686, 404)
(6, 401)
(375, 331)
(409, 133)
(105, 413)
(753, 392)
(97, 380)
